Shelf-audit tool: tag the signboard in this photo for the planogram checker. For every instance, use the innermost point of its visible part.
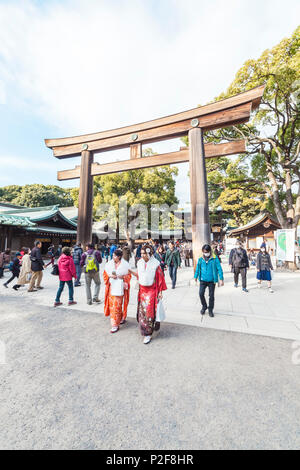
(285, 244)
(259, 242)
(230, 243)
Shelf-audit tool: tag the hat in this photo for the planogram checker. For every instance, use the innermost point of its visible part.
(18, 253)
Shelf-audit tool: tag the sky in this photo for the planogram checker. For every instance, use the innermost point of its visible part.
(71, 67)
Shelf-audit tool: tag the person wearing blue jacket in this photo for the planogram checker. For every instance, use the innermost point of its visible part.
(112, 250)
(209, 272)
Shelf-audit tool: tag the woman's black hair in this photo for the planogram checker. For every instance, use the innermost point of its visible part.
(206, 248)
(147, 249)
(118, 253)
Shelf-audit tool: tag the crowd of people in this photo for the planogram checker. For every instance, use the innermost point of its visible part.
(151, 262)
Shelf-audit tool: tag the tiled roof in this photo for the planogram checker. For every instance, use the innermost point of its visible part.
(58, 230)
(37, 214)
(256, 221)
(8, 219)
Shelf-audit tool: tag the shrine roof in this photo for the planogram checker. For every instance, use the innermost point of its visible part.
(258, 220)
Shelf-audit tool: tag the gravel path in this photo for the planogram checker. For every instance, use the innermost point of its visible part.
(68, 383)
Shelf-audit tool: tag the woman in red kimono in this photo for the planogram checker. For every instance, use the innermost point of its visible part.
(117, 288)
(151, 285)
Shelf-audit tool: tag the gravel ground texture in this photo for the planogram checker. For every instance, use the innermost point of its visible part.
(68, 384)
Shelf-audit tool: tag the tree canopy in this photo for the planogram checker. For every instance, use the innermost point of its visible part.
(36, 195)
(268, 175)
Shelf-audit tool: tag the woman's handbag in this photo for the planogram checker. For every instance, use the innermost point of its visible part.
(160, 313)
(55, 270)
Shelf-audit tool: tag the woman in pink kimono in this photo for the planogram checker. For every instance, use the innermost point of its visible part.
(151, 285)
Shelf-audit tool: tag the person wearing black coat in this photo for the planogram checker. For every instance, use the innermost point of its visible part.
(15, 269)
(239, 262)
(264, 267)
(161, 256)
(37, 266)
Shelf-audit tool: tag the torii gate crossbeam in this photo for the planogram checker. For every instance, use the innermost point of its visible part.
(230, 111)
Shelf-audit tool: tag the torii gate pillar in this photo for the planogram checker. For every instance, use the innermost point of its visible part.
(199, 194)
(85, 202)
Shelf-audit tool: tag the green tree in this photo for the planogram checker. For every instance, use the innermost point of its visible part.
(10, 193)
(146, 186)
(36, 195)
(273, 135)
(240, 203)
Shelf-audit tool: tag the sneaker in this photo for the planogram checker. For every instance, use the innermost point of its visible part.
(90, 302)
(71, 302)
(40, 288)
(5, 285)
(245, 290)
(15, 287)
(157, 326)
(236, 285)
(122, 322)
(202, 311)
(32, 290)
(147, 339)
(56, 304)
(211, 314)
(97, 301)
(114, 329)
(271, 290)
(77, 285)
(259, 286)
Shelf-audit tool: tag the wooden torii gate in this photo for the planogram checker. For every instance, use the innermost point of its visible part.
(230, 111)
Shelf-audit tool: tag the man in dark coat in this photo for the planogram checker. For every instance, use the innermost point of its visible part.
(239, 262)
(15, 269)
(173, 261)
(37, 266)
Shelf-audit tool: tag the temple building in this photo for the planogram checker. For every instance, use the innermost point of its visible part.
(21, 226)
(262, 227)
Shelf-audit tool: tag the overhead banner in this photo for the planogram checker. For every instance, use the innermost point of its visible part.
(285, 244)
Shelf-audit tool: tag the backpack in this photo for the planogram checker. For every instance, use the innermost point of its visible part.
(55, 270)
(91, 263)
(10, 266)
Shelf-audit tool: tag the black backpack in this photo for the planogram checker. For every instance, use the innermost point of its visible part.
(55, 270)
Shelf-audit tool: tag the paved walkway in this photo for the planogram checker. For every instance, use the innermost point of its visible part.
(258, 312)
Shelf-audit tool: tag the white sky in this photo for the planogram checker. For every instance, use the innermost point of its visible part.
(74, 67)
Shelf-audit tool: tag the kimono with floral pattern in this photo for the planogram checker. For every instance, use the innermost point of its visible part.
(147, 303)
(116, 306)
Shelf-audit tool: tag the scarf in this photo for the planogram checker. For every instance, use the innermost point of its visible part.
(122, 269)
(147, 271)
